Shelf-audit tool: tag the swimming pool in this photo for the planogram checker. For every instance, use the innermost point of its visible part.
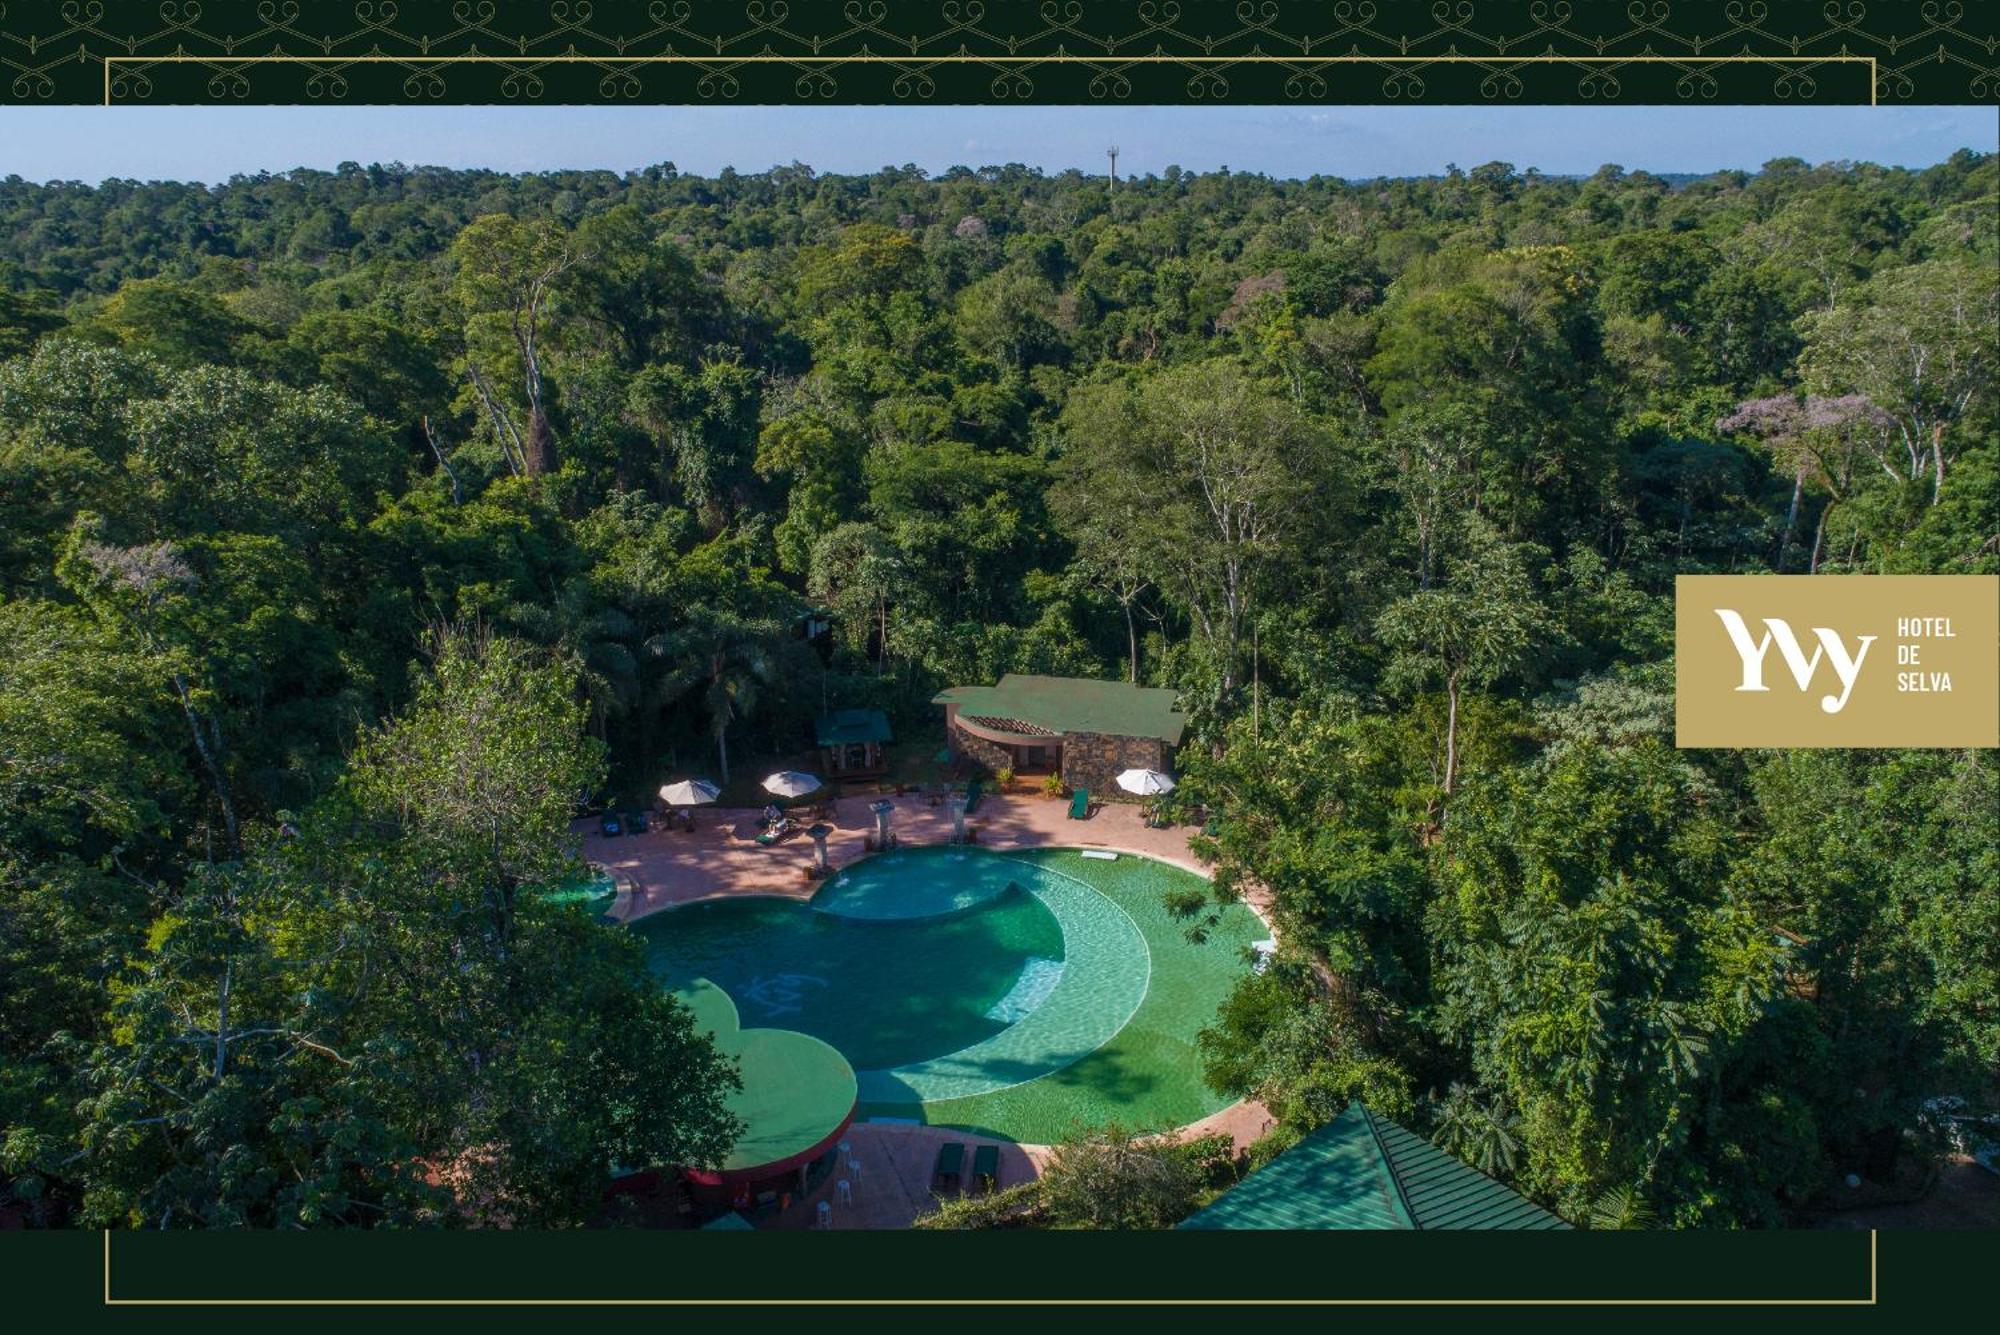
(1017, 993)
(882, 992)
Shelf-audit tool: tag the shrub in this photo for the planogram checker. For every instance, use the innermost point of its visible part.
(1052, 785)
(1003, 778)
(1107, 1179)
(1016, 1207)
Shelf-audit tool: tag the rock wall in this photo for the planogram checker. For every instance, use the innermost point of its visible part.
(1094, 760)
(990, 756)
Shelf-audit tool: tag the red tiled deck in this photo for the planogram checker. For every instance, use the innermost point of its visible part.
(721, 858)
(892, 1187)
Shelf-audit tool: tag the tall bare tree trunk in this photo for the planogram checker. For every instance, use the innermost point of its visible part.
(1451, 734)
(206, 746)
(443, 463)
(1937, 462)
(1791, 518)
(1131, 644)
(539, 451)
(222, 1021)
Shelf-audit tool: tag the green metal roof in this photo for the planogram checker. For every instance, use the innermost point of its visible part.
(796, 1089)
(1073, 704)
(843, 726)
(1364, 1171)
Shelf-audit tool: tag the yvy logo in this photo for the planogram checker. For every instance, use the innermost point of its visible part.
(1777, 631)
(1836, 660)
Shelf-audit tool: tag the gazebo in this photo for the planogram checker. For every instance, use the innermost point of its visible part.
(851, 741)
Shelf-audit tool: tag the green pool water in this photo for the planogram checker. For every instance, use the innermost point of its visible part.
(594, 891)
(884, 992)
(1148, 1075)
(1019, 993)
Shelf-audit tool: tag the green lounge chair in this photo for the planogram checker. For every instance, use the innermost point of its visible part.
(973, 792)
(986, 1168)
(950, 1164)
(1079, 804)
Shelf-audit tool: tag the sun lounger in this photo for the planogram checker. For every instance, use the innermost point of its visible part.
(775, 833)
(950, 1165)
(986, 1168)
(1079, 804)
(973, 793)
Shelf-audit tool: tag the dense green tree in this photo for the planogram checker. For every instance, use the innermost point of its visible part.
(1481, 624)
(1599, 974)
(1917, 347)
(1235, 472)
(181, 325)
(376, 1019)
(22, 321)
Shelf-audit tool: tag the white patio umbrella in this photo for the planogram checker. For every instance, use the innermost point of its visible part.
(689, 793)
(791, 783)
(1146, 782)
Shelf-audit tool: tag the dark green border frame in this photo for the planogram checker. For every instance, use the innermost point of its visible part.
(708, 1275)
(1493, 52)
(1834, 52)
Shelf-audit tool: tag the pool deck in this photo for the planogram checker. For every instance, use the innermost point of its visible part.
(893, 1187)
(721, 859)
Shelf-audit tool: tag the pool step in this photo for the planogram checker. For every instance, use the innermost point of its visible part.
(1106, 969)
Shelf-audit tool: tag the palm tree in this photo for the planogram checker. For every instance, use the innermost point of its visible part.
(1483, 1135)
(598, 637)
(726, 658)
(1621, 1208)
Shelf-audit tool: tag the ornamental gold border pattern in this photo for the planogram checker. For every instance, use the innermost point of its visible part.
(1871, 1300)
(984, 51)
(1309, 72)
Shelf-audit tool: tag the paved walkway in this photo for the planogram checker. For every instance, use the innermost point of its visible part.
(721, 858)
(892, 1188)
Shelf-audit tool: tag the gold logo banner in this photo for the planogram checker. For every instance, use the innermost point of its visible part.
(1837, 660)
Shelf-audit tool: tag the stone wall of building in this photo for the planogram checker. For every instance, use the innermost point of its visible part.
(1095, 760)
(990, 756)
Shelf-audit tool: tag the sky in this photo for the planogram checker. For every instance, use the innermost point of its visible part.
(210, 144)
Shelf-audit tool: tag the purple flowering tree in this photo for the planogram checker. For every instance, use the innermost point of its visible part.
(1820, 440)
